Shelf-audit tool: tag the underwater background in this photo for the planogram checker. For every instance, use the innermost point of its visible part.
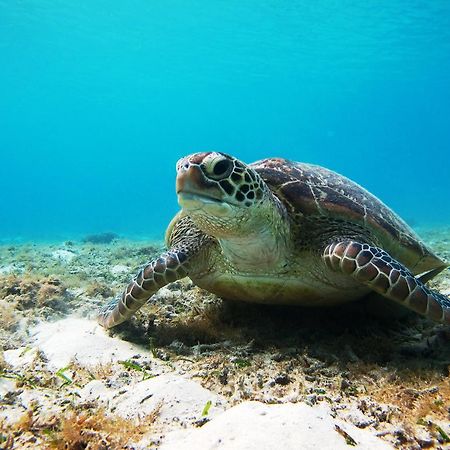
(99, 99)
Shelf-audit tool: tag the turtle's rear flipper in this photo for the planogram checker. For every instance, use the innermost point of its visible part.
(377, 269)
(169, 267)
(427, 276)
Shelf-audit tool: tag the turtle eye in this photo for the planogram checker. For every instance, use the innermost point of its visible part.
(220, 168)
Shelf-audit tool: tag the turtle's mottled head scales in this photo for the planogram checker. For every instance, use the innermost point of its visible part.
(220, 177)
(218, 191)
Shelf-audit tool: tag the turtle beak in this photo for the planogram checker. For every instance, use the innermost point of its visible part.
(189, 177)
(193, 188)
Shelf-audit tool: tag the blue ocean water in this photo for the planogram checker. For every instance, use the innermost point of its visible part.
(98, 100)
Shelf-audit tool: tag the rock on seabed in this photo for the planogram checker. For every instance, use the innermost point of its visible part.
(258, 426)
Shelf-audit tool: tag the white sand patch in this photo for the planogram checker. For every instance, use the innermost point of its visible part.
(64, 256)
(10, 416)
(83, 341)
(119, 269)
(258, 426)
(6, 387)
(20, 357)
(97, 391)
(8, 269)
(179, 398)
(180, 401)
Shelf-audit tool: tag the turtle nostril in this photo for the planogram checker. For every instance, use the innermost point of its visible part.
(184, 166)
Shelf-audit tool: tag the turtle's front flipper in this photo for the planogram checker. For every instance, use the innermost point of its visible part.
(169, 267)
(377, 269)
(189, 248)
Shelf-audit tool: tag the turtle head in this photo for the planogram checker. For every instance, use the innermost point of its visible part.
(219, 192)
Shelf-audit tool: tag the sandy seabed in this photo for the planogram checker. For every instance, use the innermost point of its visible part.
(194, 371)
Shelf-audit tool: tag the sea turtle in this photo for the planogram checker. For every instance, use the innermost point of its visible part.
(283, 232)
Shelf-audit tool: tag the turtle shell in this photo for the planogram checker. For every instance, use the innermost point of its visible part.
(310, 190)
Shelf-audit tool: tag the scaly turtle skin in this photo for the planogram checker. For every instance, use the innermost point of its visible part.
(282, 232)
